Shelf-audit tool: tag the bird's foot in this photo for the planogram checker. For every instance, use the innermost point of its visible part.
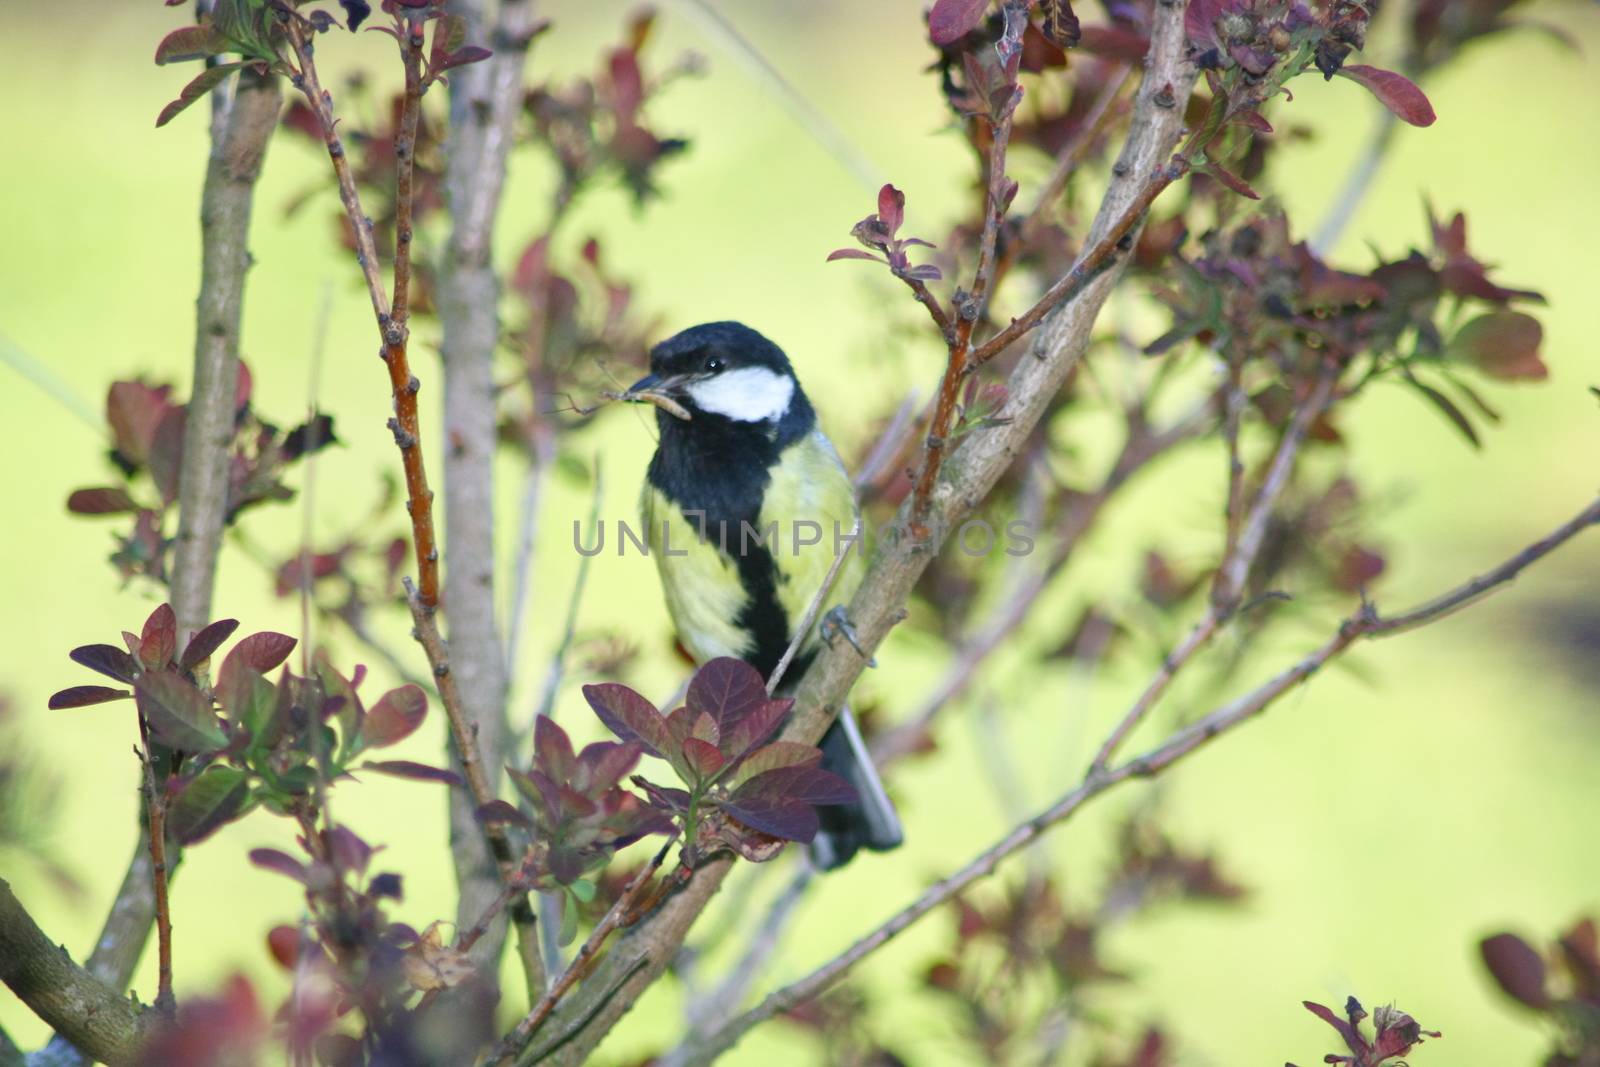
(836, 624)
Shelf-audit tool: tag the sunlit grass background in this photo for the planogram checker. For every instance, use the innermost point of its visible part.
(1385, 818)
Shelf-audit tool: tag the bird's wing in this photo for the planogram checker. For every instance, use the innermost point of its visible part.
(811, 497)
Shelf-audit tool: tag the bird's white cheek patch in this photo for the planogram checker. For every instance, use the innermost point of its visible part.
(749, 394)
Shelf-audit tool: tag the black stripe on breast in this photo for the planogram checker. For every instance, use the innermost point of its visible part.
(720, 468)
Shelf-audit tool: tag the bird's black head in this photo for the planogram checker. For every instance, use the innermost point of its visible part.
(718, 373)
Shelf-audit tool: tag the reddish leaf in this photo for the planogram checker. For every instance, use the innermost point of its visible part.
(631, 717)
(270, 859)
(420, 772)
(158, 642)
(1502, 344)
(166, 453)
(283, 942)
(1229, 179)
(891, 208)
(134, 410)
(702, 757)
(757, 727)
(207, 641)
(461, 57)
(206, 81)
(259, 653)
(775, 756)
(82, 696)
(1518, 967)
(602, 765)
(1395, 91)
(851, 253)
(395, 716)
(1200, 22)
(728, 690)
(179, 713)
(1352, 1036)
(781, 802)
(951, 20)
(190, 42)
(347, 850)
(208, 803)
(107, 501)
(552, 749)
(108, 660)
(498, 811)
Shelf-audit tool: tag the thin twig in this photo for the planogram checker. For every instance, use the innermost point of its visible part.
(569, 625)
(517, 1040)
(1091, 262)
(1365, 623)
(1235, 567)
(822, 129)
(1078, 517)
(391, 320)
(156, 809)
(1072, 154)
(464, 733)
(970, 307)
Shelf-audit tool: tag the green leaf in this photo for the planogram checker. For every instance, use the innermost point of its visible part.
(208, 803)
(583, 889)
(206, 81)
(179, 713)
(569, 922)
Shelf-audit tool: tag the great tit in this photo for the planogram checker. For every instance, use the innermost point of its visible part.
(746, 505)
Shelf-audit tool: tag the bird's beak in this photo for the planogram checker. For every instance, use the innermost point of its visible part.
(659, 392)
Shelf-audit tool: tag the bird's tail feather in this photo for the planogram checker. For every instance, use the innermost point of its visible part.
(870, 822)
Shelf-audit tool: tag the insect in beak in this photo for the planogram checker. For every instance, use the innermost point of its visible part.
(656, 391)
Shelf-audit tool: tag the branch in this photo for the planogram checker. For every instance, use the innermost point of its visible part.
(969, 308)
(485, 99)
(712, 1009)
(1240, 555)
(970, 473)
(90, 1014)
(619, 913)
(403, 385)
(1365, 623)
(238, 147)
(1081, 512)
(464, 732)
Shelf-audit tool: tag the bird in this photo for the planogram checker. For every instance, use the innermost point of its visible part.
(746, 505)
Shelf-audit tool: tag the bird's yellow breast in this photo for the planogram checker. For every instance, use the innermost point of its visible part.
(808, 512)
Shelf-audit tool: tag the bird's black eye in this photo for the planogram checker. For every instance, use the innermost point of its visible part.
(713, 364)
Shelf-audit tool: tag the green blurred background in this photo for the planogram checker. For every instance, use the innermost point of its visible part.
(1385, 818)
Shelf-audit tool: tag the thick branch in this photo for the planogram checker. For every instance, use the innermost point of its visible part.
(1365, 623)
(971, 472)
(484, 101)
(87, 1012)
